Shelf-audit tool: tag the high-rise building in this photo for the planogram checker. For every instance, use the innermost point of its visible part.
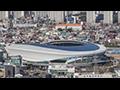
(3, 14)
(118, 16)
(40, 13)
(58, 16)
(108, 17)
(76, 12)
(91, 17)
(18, 14)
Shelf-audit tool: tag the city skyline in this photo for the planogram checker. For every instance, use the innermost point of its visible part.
(60, 15)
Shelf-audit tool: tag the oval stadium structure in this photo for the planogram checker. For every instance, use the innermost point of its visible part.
(54, 50)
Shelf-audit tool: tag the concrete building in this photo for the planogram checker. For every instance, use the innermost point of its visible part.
(118, 16)
(51, 14)
(56, 15)
(40, 13)
(3, 14)
(76, 12)
(108, 17)
(71, 12)
(18, 14)
(59, 15)
(90, 15)
(65, 13)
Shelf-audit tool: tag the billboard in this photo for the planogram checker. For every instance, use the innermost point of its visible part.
(16, 60)
(25, 25)
(73, 26)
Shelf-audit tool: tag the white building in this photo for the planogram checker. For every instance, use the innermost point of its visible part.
(60, 67)
(3, 14)
(92, 75)
(58, 16)
(40, 13)
(18, 14)
(108, 17)
(118, 16)
(55, 15)
(90, 17)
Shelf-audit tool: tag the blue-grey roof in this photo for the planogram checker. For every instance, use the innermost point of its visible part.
(80, 47)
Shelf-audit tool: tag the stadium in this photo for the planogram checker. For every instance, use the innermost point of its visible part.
(54, 50)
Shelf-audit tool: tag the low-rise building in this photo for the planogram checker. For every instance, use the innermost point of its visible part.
(92, 75)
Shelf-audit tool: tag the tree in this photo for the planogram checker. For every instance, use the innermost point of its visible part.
(60, 29)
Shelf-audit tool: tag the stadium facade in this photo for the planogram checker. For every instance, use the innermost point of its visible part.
(54, 50)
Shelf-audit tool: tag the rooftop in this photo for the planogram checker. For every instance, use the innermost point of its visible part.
(69, 45)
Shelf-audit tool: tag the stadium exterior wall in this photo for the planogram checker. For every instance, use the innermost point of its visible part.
(40, 54)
